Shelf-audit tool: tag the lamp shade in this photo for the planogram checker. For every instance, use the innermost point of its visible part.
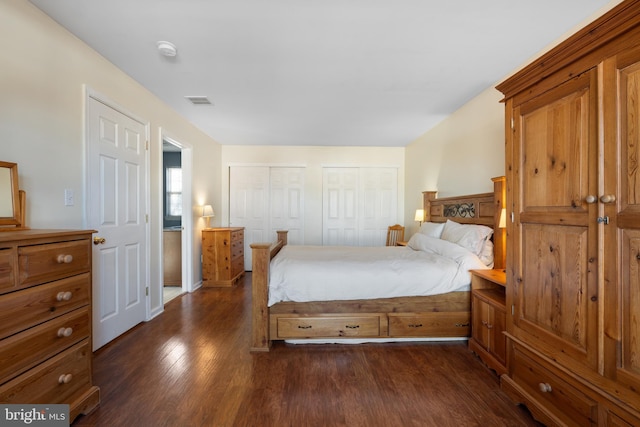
(419, 215)
(207, 211)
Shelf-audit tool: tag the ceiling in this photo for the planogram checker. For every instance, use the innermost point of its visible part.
(323, 72)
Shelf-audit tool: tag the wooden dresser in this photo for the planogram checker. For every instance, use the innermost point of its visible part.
(222, 256)
(573, 242)
(45, 319)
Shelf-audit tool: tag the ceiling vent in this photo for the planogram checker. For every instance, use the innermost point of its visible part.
(199, 100)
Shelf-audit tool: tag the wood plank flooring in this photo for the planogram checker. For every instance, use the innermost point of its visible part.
(191, 366)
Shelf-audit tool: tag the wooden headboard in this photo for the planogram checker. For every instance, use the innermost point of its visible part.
(483, 208)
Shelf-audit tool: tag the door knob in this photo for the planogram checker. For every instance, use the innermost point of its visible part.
(608, 198)
(99, 240)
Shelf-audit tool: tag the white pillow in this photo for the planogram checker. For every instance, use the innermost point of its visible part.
(432, 229)
(469, 236)
(486, 253)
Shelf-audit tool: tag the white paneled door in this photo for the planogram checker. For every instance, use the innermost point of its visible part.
(340, 206)
(116, 209)
(359, 204)
(286, 194)
(263, 199)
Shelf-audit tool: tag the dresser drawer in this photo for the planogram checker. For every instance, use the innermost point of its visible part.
(548, 387)
(23, 351)
(237, 266)
(7, 273)
(237, 250)
(29, 307)
(429, 324)
(328, 327)
(57, 380)
(47, 262)
(237, 236)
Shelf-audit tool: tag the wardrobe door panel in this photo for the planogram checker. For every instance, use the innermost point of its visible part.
(625, 213)
(556, 290)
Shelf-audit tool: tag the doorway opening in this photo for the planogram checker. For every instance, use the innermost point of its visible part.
(172, 221)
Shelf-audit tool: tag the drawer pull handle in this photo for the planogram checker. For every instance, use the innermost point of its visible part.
(462, 325)
(304, 327)
(415, 325)
(64, 296)
(352, 326)
(65, 378)
(65, 259)
(65, 332)
(545, 387)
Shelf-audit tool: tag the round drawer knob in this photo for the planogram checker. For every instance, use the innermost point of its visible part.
(65, 332)
(590, 199)
(545, 387)
(65, 378)
(64, 296)
(65, 259)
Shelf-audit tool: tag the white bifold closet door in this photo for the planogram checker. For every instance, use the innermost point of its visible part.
(263, 199)
(359, 204)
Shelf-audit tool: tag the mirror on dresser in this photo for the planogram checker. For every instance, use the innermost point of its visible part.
(12, 199)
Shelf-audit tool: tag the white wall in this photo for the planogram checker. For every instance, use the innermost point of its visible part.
(43, 70)
(313, 159)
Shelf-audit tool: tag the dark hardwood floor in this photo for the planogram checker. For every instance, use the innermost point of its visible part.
(191, 366)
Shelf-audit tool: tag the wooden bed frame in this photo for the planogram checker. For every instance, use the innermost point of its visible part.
(437, 316)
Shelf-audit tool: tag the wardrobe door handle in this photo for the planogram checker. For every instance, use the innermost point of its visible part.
(590, 199)
(608, 198)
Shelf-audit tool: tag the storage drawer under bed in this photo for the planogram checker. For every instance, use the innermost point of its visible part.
(328, 327)
(436, 324)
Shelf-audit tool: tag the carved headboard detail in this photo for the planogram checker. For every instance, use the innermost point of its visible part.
(484, 208)
(471, 209)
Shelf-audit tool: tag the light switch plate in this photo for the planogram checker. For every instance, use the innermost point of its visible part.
(68, 197)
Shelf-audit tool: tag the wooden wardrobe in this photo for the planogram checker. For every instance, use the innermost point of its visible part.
(573, 241)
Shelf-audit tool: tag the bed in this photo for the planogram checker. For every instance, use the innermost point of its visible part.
(445, 315)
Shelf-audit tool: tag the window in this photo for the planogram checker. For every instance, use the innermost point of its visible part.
(174, 192)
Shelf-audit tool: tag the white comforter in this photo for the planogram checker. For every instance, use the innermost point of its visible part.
(427, 266)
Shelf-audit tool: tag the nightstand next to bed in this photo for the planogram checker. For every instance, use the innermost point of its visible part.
(488, 318)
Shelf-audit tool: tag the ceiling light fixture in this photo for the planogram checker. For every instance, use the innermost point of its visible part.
(167, 49)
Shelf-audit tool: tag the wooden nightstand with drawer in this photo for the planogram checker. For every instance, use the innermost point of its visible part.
(222, 256)
(488, 318)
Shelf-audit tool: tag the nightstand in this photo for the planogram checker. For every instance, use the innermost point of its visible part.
(401, 243)
(488, 318)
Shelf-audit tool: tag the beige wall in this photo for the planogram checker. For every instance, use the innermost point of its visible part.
(43, 70)
(462, 153)
(313, 159)
(458, 156)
